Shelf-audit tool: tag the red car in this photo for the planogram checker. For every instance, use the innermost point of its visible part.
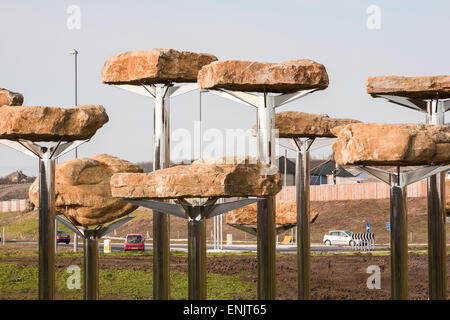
(62, 236)
(134, 242)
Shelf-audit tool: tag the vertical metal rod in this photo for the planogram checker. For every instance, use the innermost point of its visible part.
(399, 243)
(266, 235)
(75, 236)
(161, 222)
(56, 235)
(46, 227)
(221, 232)
(197, 259)
(91, 286)
(75, 242)
(266, 249)
(437, 248)
(214, 233)
(303, 222)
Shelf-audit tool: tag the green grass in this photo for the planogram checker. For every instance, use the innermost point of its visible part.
(22, 282)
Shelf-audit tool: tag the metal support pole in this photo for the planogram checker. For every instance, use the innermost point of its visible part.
(437, 249)
(266, 234)
(266, 248)
(197, 257)
(75, 242)
(399, 243)
(303, 221)
(46, 226)
(161, 221)
(91, 287)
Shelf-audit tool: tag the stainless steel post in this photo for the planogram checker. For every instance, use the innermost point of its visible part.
(197, 257)
(399, 243)
(91, 286)
(266, 246)
(46, 226)
(437, 249)
(161, 222)
(75, 242)
(303, 224)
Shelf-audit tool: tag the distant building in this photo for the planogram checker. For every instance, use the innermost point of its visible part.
(328, 173)
(287, 170)
(17, 177)
(289, 179)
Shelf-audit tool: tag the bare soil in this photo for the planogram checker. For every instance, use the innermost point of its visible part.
(332, 276)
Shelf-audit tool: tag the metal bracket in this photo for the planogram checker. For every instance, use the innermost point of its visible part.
(169, 208)
(253, 99)
(411, 103)
(36, 151)
(188, 211)
(446, 104)
(282, 99)
(298, 143)
(404, 179)
(99, 230)
(150, 90)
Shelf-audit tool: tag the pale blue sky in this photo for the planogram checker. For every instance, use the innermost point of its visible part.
(34, 59)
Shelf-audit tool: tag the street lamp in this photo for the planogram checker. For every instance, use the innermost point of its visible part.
(74, 52)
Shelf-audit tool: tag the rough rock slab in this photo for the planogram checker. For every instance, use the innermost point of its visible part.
(292, 124)
(154, 66)
(83, 193)
(10, 98)
(286, 213)
(208, 178)
(250, 76)
(411, 87)
(38, 123)
(392, 144)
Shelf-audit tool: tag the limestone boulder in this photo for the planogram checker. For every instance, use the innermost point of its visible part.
(38, 123)
(292, 124)
(392, 144)
(286, 213)
(413, 87)
(83, 194)
(154, 66)
(250, 76)
(10, 98)
(208, 178)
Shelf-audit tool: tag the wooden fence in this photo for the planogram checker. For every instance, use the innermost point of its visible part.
(14, 205)
(354, 191)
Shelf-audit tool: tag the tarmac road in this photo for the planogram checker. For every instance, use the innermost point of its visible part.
(281, 248)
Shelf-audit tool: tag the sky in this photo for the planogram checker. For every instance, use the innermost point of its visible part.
(349, 38)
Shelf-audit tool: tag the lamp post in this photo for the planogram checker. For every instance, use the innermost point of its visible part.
(74, 52)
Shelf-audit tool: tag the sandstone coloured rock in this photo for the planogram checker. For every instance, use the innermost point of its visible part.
(286, 213)
(10, 98)
(154, 66)
(83, 193)
(199, 180)
(250, 76)
(392, 144)
(292, 124)
(38, 123)
(412, 87)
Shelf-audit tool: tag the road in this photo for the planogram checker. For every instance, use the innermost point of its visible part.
(281, 248)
